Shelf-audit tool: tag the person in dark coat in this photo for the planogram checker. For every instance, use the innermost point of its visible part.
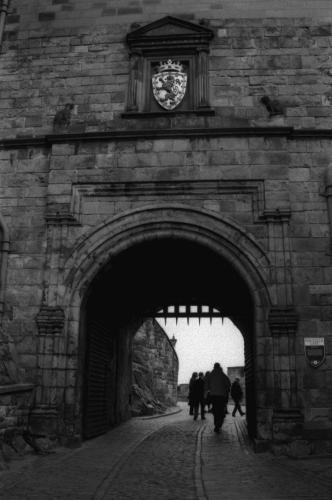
(237, 395)
(207, 393)
(198, 395)
(190, 395)
(219, 386)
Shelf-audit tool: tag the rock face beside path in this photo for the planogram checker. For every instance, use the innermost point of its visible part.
(155, 370)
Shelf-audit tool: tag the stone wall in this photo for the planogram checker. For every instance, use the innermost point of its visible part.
(155, 369)
(183, 391)
(74, 51)
(266, 178)
(234, 372)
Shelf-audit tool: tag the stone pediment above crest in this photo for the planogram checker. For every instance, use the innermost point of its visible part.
(167, 32)
(168, 29)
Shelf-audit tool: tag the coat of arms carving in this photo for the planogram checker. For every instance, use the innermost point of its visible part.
(169, 84)
(314, 349)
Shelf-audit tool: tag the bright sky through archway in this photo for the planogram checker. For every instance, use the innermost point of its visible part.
(199, 346)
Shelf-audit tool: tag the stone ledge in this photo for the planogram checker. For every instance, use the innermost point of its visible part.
(61, 218)
(169, 114)
(169, 133)
(9, 389)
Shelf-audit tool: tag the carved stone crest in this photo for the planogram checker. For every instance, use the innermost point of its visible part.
(169, 84)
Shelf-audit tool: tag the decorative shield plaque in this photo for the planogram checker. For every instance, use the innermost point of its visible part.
(169, 84)
(314, 349)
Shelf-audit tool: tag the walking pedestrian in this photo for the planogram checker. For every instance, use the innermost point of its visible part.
(219, 386)
(237, 395)
(207, 393)
(198, 395)
(190, 395)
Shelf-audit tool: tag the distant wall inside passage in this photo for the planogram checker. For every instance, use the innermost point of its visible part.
(155, 368)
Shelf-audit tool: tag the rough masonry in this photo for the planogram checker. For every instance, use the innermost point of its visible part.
(155, 370)
(101, 189)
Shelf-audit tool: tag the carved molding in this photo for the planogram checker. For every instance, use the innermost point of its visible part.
(175, 190)
(168, 133)
(167, 33)
(278, 215)
(283, 320)
(65, 218)
(50, 320)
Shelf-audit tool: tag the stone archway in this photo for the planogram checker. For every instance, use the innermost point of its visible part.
(96, 269)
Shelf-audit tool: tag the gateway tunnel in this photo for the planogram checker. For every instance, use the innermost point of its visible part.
(134, 286)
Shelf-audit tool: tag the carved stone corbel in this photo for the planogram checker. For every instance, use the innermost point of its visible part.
(50, 320)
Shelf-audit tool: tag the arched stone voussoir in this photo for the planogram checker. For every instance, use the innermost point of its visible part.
(129, 228)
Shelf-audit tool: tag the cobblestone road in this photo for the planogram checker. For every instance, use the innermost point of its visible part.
(231, 471)
(169, 458)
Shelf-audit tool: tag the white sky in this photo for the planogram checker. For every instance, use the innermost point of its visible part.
(200, 346)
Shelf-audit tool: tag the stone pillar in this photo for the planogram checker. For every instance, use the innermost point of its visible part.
(283, 319)
(9, 358)
(328, 194)
(280, 254)
(203, 86)
(50, 322)
(135, 60)
(48, 415)
(4, 250)
(287, 417)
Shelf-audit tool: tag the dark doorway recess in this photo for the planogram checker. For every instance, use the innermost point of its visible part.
(134, 286)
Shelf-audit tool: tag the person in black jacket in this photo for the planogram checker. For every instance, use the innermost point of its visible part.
(237, 394)
(190, 395)
(198, 395)
(219, 385)
(207, 393)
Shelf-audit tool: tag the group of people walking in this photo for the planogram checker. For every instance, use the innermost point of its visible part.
(212, 389)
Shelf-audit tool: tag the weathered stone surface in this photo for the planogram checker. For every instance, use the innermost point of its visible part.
(67, 200)
(155, 370)
(13, 446)
(50, 320)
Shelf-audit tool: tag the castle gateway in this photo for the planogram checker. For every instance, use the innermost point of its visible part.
(193, 147)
